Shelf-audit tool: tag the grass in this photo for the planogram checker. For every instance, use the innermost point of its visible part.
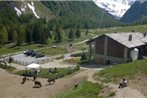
(84, 90)
(137, 28)
(53, 51)
(129, 70)
(61, 72)
(19, 48)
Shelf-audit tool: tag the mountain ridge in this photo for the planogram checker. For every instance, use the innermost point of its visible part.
(136, 13)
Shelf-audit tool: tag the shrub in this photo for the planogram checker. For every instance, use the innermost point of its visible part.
(8, 68)
(44, 73)
(77, 67)
(84, 62)
(83, 57)
(3, 66)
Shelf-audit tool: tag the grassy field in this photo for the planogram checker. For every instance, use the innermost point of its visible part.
(19, 48)
(137, 28)
(84, 90)
(53, 51)
(128, 70)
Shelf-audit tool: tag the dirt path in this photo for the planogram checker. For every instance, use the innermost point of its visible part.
(11, 87)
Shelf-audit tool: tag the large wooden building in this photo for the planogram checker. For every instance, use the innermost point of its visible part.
(115, 47)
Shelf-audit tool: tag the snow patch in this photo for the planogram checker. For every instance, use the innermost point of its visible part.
(31, 6)
(23, 8)
(18, 12)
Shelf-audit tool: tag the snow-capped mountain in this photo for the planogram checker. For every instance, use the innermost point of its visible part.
(115, 7)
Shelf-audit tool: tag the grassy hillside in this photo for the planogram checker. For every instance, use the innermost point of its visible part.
(128, 70)
(137, 28)
(85, 90)
(43, 11)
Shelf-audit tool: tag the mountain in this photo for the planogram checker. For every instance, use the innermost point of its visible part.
(137, 12)
(83, 13)
(66, 13)
(115, 7)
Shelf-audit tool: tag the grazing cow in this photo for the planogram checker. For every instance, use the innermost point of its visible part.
(37, 83)
(23, 80)
(34, 78)
(51, 80)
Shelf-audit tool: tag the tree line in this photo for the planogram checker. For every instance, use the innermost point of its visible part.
(29, 30)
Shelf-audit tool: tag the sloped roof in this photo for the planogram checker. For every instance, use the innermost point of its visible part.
(138, 38)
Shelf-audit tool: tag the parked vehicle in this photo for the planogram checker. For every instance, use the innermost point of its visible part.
(39, 55)
(29, 52)
(34, 54)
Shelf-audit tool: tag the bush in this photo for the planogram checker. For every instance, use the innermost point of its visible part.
(83, 57)
(3, 66)
(77, 67)
(8, 68)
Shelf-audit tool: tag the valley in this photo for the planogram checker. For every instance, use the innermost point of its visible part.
(83, 46)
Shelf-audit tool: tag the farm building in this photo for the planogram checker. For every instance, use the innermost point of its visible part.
(118, 47)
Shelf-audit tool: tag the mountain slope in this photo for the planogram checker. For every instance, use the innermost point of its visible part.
(136, 13)
(68, 14)
(115, 7)
(83, 13)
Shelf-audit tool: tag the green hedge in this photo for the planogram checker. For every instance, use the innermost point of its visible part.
(61, 72)
(8, 68)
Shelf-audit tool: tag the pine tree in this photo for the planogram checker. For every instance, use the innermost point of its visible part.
(3, 36)
(58, 35)
(83, 57)
(36, 32)
(78, 33)
(71, 35)
(87, 31)
(20, 34)
(29, 36)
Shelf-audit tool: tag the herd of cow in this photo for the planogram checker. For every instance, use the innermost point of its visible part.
(38, 83)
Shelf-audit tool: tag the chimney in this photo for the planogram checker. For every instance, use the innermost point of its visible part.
(130, 37)
(144, 34)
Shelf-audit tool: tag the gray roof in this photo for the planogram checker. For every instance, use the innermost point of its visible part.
(138, 39)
